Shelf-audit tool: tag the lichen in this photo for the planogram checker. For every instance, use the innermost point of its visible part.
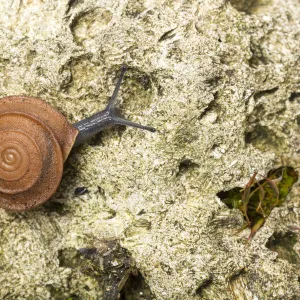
(198, 72)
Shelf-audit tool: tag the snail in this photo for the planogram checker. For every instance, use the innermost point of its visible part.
(35, 141)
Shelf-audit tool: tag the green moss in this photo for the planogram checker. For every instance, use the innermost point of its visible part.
(258, 198)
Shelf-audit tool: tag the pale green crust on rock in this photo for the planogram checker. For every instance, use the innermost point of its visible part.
(219, 81)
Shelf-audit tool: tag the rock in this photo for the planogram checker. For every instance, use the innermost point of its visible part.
(220, 82)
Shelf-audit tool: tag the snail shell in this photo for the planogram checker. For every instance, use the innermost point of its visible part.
(35, 140)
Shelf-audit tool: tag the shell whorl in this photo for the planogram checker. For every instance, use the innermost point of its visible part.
(35, 140)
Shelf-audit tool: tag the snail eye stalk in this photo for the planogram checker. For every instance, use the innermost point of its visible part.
(106, 118)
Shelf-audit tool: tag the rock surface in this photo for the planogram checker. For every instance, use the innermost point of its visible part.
(220, 80)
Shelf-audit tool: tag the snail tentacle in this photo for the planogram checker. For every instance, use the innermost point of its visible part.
(113, 100)
(106, 118)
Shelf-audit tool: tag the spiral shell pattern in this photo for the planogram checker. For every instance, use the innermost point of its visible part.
(34, 143)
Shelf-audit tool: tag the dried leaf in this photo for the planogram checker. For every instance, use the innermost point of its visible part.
(261, 195)
(255, 227)
(246, 196)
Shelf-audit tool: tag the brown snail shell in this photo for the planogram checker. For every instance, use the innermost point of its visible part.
(35, 140)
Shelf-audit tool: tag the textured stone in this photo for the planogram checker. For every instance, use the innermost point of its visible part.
(219, 80)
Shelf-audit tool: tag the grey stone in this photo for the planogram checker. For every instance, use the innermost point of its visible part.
(220, 82)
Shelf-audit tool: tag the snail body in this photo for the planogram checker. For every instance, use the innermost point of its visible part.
(35, 141)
